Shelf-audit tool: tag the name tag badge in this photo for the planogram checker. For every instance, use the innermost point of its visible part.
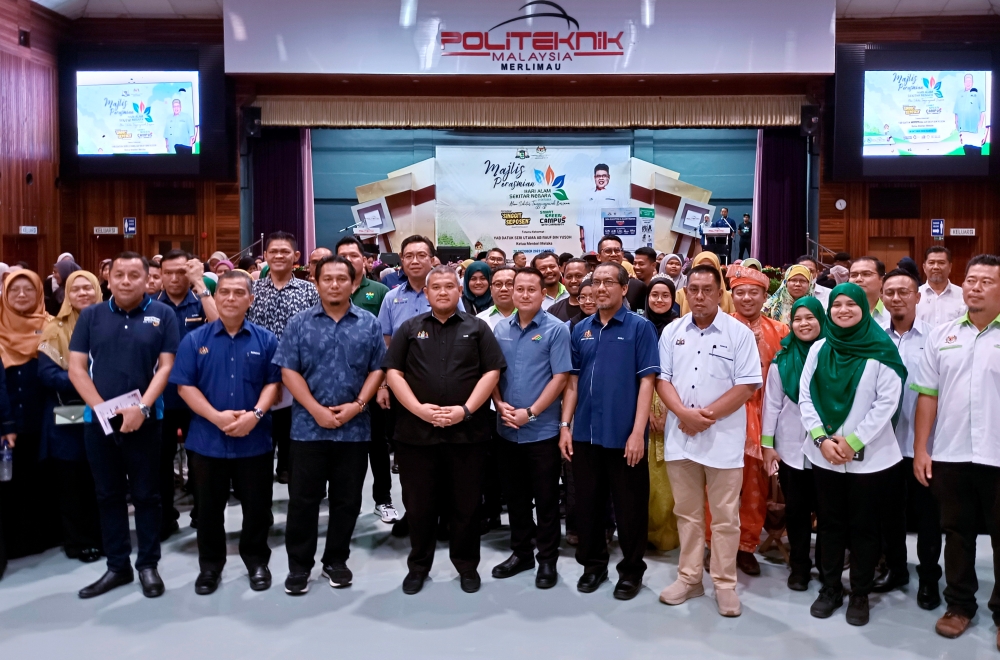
(422, 335)
(155, 320)
(194, 319)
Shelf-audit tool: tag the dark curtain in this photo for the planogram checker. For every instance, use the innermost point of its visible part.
(277, 183)
(783, 180)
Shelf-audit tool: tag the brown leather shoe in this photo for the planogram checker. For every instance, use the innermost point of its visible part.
(746, 562)
(951, 625)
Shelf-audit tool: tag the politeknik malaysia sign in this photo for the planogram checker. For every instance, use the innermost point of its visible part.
(405, 37)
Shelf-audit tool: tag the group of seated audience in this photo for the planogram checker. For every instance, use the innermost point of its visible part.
(667, 400)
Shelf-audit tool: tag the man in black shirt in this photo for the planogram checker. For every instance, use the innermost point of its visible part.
(745, 231)
(609, 249)
(573, 273)
(442, 366)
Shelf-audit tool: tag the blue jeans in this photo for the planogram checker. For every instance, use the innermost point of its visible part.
(127, 463)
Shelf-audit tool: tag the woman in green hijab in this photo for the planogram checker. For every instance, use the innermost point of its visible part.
(849, 394)
(783, 435)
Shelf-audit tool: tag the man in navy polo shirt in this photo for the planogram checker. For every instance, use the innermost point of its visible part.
(610, 390)
(536, 348)
(225, 374)
(331, 361)
(184, 291)
(128, 343)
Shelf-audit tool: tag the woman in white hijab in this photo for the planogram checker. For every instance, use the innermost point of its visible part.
(671, 267)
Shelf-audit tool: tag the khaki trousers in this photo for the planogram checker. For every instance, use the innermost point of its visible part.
(690, 481)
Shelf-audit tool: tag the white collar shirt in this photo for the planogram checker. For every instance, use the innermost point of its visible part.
(881, 315)
(961, 367)
(702, 365)
(911, 350)
(781, 423)
(935, 309)
(492, 316)
(868, 425)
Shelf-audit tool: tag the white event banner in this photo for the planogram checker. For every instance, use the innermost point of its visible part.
(528, 199)
(528, 37)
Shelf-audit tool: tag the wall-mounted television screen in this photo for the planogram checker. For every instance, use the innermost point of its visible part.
(905, 113)
(149, 113)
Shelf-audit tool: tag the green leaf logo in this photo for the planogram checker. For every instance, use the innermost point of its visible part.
(560, 194)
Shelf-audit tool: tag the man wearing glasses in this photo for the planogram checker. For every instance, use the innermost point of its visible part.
(609, 250)
(502, 290)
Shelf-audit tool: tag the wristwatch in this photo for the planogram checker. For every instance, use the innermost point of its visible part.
(468, 415)
(564, 425)
(205, 293)
(820, 440)
(144, 409)
(531, 415)
(258, 413)
(361, 403)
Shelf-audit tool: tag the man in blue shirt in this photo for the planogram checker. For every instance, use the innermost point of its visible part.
(331, 361)
(610, 393)
(225, 374)
(125, 344)
(536, 347)
(184, 291)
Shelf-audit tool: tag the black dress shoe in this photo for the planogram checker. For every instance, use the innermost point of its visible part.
(890, 580)
(413, 583)
(89, 555)
(470, 582)
(108, 581)
(627, 589)
(546, 577)
(207, 582)
(928, 596)
(260, 578)
(513, 566)
(152, 585)
(827, 602)
(589, 582)
(798, 581)
(401, 528)
(857, 610)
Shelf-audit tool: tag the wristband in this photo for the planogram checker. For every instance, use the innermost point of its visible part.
(468, 415)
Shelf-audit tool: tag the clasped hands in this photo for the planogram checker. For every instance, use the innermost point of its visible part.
(440, 416)
(837, 451)
(693, 421)
(235, 423)
(513, 417)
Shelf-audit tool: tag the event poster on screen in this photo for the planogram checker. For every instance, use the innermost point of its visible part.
(528, 199)
(137, 112)
(927, 113)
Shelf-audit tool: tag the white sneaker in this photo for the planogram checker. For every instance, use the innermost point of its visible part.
(387, 512)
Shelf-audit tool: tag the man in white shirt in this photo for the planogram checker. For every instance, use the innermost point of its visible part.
(547, 263)
(940, 300)
(502, 290)
(905, 497)
(821, 293)
(958, 390)
(867, 272)
(591, 223)
(710, 367)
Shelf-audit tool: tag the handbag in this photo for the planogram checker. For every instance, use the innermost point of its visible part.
(68, 414)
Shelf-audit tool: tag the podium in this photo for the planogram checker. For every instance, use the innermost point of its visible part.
(719, 241)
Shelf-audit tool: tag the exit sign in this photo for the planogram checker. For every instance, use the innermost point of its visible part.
(937, 228)
(962, 231)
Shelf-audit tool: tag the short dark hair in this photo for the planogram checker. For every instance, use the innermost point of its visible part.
(622, 273)
(175, 254)
(901, 272)
(937, 249)
(236, 275)
(128, 255)
(548, 254)
(576, 260)
(705, 268)
(480, 256)
(247, 264)
(602, 166)
(628, 256)
(564, 257)
(983, 260)
(842, 256)
(879, 266)
(810, 258)
(746, 215)
(496, 249)
(416, 238)
(515, 254)
(534, 272)
(502, 269)
(335, 259)
(154, 263)
(282, 236)
(349, 240)
(609, 237)
(647, 252)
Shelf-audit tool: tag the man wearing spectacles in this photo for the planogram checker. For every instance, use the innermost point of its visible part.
(867, 272)
(502, 290)
(610, 250)
(224, 373)
(900, 295)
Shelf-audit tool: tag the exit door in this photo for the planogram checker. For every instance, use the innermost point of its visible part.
(890, 249)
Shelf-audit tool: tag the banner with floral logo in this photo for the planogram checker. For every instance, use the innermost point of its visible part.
(528, 199)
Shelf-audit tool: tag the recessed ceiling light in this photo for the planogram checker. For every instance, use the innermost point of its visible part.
(487, 81)
(416, 81)
(343, 81)
(573, 81)
(716, 80)
(642, 80)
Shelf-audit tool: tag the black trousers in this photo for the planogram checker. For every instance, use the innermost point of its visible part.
(967, 491)
(923, 516)
(598, 471)
(422, 468)
(744, 249)
(892, 511)
(29, 503)
(378, 456)
(799, 489)
(850, 516)
(281, 437)
(530, 471)
(492, 500)
(251, 478)
(175, 430)
(342, 465)
(127, 463)
(78, 511)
